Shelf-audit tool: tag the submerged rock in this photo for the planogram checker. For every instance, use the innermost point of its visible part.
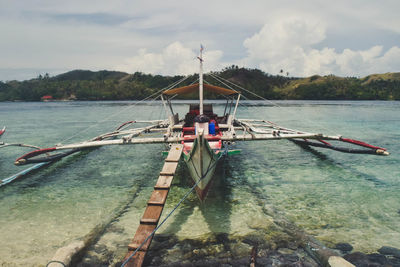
(293, 245)
(288, 258)
(395, 262)
(254, 239)
(386, 250)
(344, 247)
(378, 258)
(229, 250)
(292, 258)
(374, 259)
(241, 249)
(357, 258)
(285, 251)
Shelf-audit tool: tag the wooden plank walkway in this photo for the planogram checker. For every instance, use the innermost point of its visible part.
(154, 208)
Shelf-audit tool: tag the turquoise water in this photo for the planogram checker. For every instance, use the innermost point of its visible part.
(333, 196)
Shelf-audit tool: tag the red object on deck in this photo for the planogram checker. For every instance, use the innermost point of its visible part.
(188, 129)
(207, 137)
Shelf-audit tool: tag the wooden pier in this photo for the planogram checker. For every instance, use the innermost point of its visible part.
(155, 205)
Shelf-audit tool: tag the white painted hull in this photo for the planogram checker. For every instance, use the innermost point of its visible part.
(201, 162)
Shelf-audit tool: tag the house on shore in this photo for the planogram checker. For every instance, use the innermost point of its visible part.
(47, 98)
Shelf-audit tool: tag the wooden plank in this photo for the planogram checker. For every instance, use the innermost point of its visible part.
(174, 154)
(169, 168)
(158, 197)
(152, 213)
(153, 221)
(136, 260)
(143, 231)
(164, 182)
(155, 205)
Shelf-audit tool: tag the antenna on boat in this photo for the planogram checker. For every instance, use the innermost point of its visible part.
(200, 57)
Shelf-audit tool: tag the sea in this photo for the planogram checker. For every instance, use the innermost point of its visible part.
(99, 195)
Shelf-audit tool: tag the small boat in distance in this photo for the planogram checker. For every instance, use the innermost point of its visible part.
(2, 130)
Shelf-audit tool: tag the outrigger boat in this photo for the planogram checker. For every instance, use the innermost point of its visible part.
(202, 136)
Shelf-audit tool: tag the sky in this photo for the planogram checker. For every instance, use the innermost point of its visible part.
(303, 38)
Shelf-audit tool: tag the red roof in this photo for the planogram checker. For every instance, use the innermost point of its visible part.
(47, 97)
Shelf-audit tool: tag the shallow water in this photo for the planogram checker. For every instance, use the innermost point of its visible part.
(333, 196)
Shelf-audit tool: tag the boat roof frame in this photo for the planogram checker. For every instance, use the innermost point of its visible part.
(195, 87)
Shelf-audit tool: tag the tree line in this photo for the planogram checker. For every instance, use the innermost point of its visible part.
(113, 85)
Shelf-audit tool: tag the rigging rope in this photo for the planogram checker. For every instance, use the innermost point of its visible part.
(221, 81)
(270, 101)
(2, 144)
(176, 206)
(127, 108)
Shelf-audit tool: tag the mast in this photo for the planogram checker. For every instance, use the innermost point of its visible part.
(201, 79)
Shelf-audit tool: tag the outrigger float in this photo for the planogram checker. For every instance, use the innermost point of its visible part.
(2, 130)
(201, 138)
(22, 173)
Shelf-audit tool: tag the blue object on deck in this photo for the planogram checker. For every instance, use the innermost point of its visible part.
(211, 128)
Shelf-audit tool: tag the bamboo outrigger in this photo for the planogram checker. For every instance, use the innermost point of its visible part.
(22, 173)
(203, 137)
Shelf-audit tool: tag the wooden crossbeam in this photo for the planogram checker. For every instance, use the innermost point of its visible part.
(169, 168)
(154, 208)
(163, 182)
(174, 154)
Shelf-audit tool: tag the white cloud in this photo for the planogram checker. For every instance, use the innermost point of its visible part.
(172, 60)
(285, 35)
(288, 44)
(302, 37)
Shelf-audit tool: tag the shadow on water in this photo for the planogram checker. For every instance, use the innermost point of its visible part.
(43, 175)
(216, 209)
(332, 163)
(56, 170)
(316, 153)
(239, 178)
(88, 255)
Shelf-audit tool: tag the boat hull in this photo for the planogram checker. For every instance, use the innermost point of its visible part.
(201, 161)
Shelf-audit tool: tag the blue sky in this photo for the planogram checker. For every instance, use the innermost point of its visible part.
(346, 38)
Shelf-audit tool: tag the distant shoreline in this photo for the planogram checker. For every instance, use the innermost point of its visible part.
(87, 85)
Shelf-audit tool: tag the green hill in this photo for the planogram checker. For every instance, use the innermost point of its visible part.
(372, 87)
(114, 85)
(89, 75)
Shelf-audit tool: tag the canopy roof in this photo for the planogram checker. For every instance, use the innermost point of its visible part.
(195, 87)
